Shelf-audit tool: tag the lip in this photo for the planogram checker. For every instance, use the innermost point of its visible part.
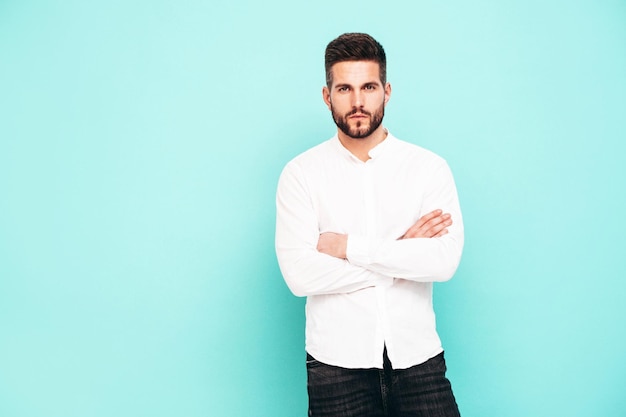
(358, 116)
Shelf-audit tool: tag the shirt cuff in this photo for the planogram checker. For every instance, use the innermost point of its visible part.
(360, 250)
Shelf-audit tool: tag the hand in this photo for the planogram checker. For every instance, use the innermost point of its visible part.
(333, 244)
(433, 224)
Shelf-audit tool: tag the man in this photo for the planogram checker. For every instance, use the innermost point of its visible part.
(365, 224)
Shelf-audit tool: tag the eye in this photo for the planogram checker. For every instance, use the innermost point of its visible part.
(370, 87)
(342, 89)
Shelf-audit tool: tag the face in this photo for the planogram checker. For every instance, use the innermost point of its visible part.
(357, 98)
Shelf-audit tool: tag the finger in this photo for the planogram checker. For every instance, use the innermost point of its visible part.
(426, 218)
(428, 225)
(441, 229)
(429, 216)
(422, 223)
(437, 220)
(434, 226)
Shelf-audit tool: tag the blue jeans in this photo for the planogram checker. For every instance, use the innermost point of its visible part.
(420, 391)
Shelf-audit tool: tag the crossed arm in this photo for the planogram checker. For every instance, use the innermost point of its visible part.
(332, 263)
(433, 224)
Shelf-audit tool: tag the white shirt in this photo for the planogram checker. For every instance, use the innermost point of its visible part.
(382, 293)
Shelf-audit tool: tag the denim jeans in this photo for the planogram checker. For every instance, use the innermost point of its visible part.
(420, 391)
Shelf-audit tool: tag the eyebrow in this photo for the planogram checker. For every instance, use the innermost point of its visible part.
(351, 86)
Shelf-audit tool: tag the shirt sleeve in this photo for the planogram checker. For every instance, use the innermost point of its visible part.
(305, 270)
(417, 259)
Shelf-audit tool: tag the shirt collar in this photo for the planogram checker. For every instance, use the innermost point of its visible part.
(373, 153)
(378, 149)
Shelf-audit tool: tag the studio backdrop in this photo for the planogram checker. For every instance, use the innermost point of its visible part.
(140, 147)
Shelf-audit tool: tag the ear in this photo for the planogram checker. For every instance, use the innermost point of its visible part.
(387, 92)
(326, 96)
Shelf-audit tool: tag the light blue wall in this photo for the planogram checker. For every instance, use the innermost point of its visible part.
(140, 145)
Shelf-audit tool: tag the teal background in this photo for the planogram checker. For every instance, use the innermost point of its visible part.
(140, 146)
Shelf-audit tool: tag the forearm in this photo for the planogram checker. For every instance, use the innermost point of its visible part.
(417, 259)
(308, 272)
(431, 248)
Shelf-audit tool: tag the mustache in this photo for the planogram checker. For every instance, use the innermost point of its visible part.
(360, 111)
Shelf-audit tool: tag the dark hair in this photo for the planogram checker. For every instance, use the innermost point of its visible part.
(355, 47)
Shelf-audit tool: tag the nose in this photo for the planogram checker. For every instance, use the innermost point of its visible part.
(357, 99)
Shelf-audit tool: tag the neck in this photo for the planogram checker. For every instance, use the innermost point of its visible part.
(361, 147)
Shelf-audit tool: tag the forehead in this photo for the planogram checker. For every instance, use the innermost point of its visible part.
(356, 72)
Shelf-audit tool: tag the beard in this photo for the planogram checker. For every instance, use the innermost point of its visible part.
(360, 130)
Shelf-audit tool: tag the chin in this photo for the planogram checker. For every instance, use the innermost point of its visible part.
(360, 132)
